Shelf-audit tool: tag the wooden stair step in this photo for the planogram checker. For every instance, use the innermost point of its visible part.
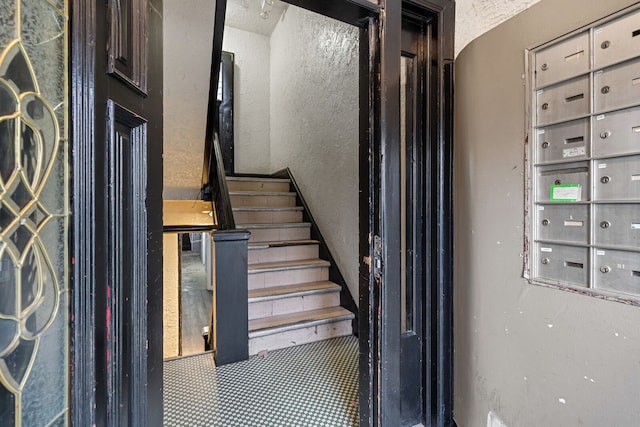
(262, 198)
(287, 322)
(289, 291)
(257, 178)
(270, 225)
(287, 265)
(283, 250)
(281, 243)
(235, 183)
(267, 208)
(260, 193)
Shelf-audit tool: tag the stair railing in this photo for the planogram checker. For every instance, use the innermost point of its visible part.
(228, 334)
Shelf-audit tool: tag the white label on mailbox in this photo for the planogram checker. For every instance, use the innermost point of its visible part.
(541, 131)
(635, 225)
(546, 250)
(540, 208)
(600, 117)
(635, 129)
(602, 166)
(574, 223)
(573, 152)
(540, 92)
(567, 193)
(635, 177)
(600, 253)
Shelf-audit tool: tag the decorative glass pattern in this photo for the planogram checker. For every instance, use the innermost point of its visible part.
(34, 210)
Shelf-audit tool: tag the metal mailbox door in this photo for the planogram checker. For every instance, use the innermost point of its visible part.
(617, 133)
(617, 224)
(567, 59)
(617, 271)
(617, 40)
(617, 87)
(565, 101)
(567, 223)
(563, 141)
(567, 173)
(617, 179)
(563, 263)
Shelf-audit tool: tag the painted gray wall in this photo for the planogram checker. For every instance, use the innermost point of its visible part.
(534, 356)
(251, 99)
(314, 124)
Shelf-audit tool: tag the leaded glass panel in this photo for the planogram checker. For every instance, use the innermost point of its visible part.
(34, 213)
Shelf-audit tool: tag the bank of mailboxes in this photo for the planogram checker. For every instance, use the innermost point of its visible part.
(586, 158)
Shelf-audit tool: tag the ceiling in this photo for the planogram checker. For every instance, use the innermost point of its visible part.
(245, 15)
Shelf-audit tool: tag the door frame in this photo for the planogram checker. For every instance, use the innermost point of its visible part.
(379, 310)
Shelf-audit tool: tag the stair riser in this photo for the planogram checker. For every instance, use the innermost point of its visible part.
(267, 217)
(288, 277)
(300, 336)
(277, 234)
(257, 186)
(285, 253)
(293, 305)
(238, 201)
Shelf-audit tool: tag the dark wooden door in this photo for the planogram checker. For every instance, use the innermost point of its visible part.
(413, 217)
(128, 212)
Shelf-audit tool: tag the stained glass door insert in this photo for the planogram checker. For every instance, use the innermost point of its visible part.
(34, 209)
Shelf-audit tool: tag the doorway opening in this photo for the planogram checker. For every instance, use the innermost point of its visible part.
(293, 75)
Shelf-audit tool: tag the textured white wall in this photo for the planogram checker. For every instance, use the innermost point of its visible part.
(475, 17)
(251, 99)
(314, 124)
(187, 38)
(532, 356)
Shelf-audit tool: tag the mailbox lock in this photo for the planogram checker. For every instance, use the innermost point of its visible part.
(545, 261)
(605, 89)
(605, 44)
(557, 182)
(605, 179)
(545, 144)
(544, 67)
(605, 134)
(605, 224)
(545, 106)
(605, 269)
(545, 222)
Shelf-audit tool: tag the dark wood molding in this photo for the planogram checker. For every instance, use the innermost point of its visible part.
(127, 42)
(353, 12)
(369, 100)
(126, 332)
(83, 379)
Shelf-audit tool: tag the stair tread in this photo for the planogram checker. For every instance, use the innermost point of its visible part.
(281, 244)
(275, 292)
(256, 179)
(261, 193)
(287, 265)
(301, 319)
(274, 225)
(268, 208)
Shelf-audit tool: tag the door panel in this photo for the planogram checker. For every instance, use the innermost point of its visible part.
(412, 215)
(128, 212)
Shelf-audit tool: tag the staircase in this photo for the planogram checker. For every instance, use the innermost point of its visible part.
(291, 300)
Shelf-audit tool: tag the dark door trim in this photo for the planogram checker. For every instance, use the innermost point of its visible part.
(83, 367)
